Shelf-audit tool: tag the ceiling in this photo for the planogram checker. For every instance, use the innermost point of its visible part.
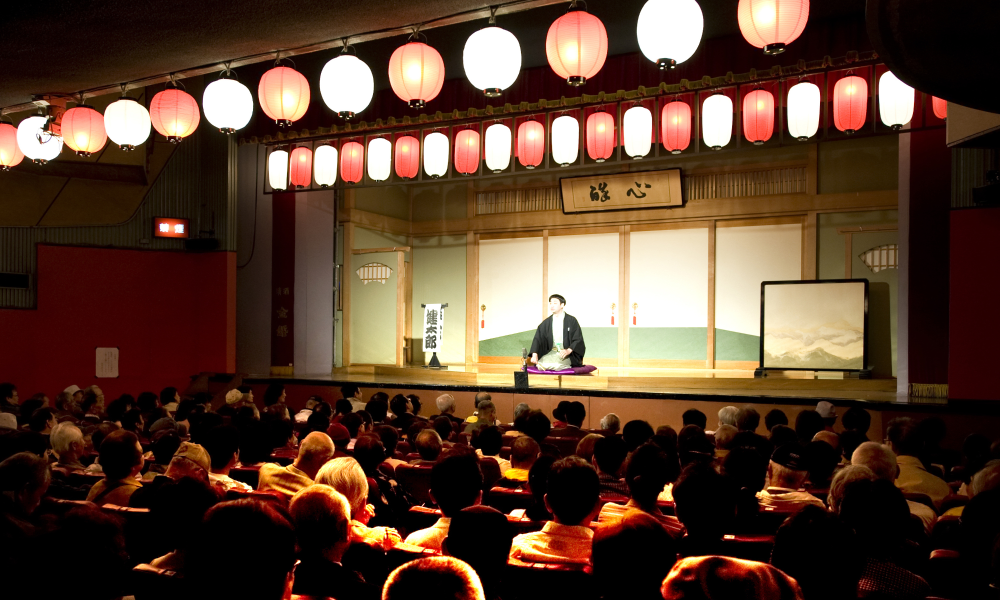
(63, 46)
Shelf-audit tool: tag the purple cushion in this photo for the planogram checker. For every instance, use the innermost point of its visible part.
(574, 371)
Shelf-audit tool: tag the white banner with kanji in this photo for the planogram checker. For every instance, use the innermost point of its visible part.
(433, 327)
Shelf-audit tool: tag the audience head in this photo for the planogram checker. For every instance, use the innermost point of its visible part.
(609, 454)
(428, 444)
(223, 446)
(98, 537)
(28, 408)
(636, 433)
(575, 413)
(42, 420)
(523, 452)
(775, 416)
(611, 423)
(573, 489)
(521, 409)
(315, 450)
(879, 514)
(788, 468)
(445, 404)
(347, 477)
(369, 452)
(724, 436)
(274, 394)
(324, 408)
(442, 425)
(807, 424)
(339, 434)
(177, 510)
(820, 552)
(400, 405)
(585, 447)
(880, 459)
(536, 425)
(349, 391)
(746, 468)
(631, 557)
(693, 416)
(456, 483)
(647, 472)
(322, 519)
(389, 437)
(120, 455)
(781, 435)
(490, 440)
(693, 446)
(184, 409)
(747, 418)
(353, 423)
(378, 406)
(538, 480)
(828, 437)
(904, 437)
(190, 460)
(857, 419)
(24, 479)
(343, 407)
(8, 393)
(481, 537)
(718, 577)
(559, 412)
(482, 397)
(168, 395)
(165, 443)
(727, 415)
(414, 402)
(487, 412)
(827, 412)
(67, 441)
(845, 476)
(821, 460)
(317, 422)
(434, 578)
(704, 501)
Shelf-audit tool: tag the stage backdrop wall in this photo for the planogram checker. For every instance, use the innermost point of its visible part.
(373, 305)
(584, 270)
(510, 286)
(439, 278)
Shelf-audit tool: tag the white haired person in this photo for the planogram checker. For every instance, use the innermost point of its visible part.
(347, 477)
(446, 407)
(68, 445)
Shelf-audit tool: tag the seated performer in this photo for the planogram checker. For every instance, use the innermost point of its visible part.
(559, 339)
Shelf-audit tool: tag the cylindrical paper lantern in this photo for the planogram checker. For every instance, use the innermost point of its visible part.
(940, 107)
(174, 114)
(576, 46)
(300, 169)
(669, 31)
(416, 73)
(283, 95)
(467, 151)
(39, 146)
(895, 101)
(228, 105)
(637, 127)
(407, 156)
(565, 140)
(850, 104)
(675, 126)
(772, 24)
(492, 59)
(436, 154)
(277, 170)
(717, 121)
(497, 147)
(379, 159)
(346, 85)
(83, 130)
(352, 162)
(803, 110)
(127, 123)
(600, 136)
(325, 170)
(10, 152)
(530, 144)
(758, 116)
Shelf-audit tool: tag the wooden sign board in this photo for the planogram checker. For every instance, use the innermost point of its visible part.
(622, 191)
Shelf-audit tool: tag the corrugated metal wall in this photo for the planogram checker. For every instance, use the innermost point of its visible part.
(198, 183)
(968, 170)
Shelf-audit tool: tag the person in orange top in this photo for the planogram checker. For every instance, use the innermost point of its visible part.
(121, 459)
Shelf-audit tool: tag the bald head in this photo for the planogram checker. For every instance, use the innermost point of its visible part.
(829, 437)
(314, 452)
(878, 458)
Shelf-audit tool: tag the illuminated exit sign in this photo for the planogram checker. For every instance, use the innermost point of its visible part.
(170, 228)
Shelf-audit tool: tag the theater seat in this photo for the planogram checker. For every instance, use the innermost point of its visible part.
(266, 496)
(416, 479)
(544, 581)
(506, 500)
(566, 445)
(748, 547)
(284, 456)
(921, 499)
(505, 452)
(403, 553)
(248, 475)
(150, 583)
(491, 471)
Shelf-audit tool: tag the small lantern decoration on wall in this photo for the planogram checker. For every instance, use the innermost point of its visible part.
(300, 168)
(576, 45)
(565, 140)
(325, 168)
(436, 155)
(600, 136)
(416, 72)
(352, 162)
(717, 121)
(530, 144)
(467, 151)
(637, 127)
(850, 104)
(407, 156)
(497, 147)
(758, 116)
(895, 101)
(379, 159)
(803, 110)
(277, 170)
(675, 126)
(940, 107)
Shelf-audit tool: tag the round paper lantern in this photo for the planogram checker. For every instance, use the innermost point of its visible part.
(10, 152)
(284, 95)
(40, 146)
(277, 170)
(497, 147)
(347, 85)
(352, 162)
(600, 136)
(300, 167)
(407, 156)
(850, 104)
(174, 114)
(772, 24)
(492, 60)
(127, 123)
(940, 107)
(83, 130)
(325, 169)
(717, 121)
(576, 46)
(228, 105)
(637, 127)
(467, 151)
(758, 116)
(895, 101)
(379, 159)
(669, 31)
(675, 126)
(803, 110)
(416, 73)
(565, 140)
(530, 144)
(436, 155)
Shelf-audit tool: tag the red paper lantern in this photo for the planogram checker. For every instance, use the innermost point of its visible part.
(600, 136)
(83, 130)
(850, 104)
(771, 24)
(467, 151)
(300, 168)
(416, 73)
(407, 156)
(530, 144)
(284, 95)
(576, 46)
(675, 126)
(10, 152)
(174, 114)
(758, 116)
(940, 107)
(352, 162)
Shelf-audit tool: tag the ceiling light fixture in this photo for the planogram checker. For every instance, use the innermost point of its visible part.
(347, 84)
(772, 24)
(283, 94)
(492, 58)
(227, 103)
(669, 31)
(416, 72)
(174, 114)
(127, 122)
(576, 45)
(83, 130)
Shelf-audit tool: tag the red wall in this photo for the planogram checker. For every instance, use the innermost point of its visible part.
(171, 314)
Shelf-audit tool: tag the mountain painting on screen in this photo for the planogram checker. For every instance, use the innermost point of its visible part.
(814, 325)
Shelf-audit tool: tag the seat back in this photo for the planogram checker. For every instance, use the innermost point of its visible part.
(506, 500)
(150, 583)
(567, 446)
(748, 547)
(265, 496)
(248, 475)
(403, 553)
(538, 581)
(284, 456)
(491, 471)
(416, 479)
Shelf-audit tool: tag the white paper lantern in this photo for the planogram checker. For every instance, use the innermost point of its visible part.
(227, 104)
(717, 121)
(38, 145)
(669, 31)
(379, 159)
(277, 170)
(497, 147)
(565, 140)
(436, 155)
(347, 85)
(127, 123)
(492, 60)
(325, 165)
(637, 127)
(803, 110)
(895, 101)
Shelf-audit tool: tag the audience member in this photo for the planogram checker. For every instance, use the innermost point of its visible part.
(390, 500)
(820, 552)
(821, 460)
(378, 407)
(67, 444)
(693, 416)
(840, 481)
(445, 428)
(610, 423)
(9, 402)
(781, 435)
(341, 438)
(347, 477)
(121, 459)
(858, 420)
(775, 416)
(176, 513)
(636, 433)
(807, 424)
(786, 475)
(352, 393)
(724, 437)
(428, 445)
(538, 485)
(24, 479)
(694, 446)
(303, 415)
(623, 573)
(481, 537)
(390, 438)
(314, 452)
(169, 399)
(575, 412)
(585, 447)
(645, 477)
(456, 483)
(905, 440)
(434, 578)
(609, 454)
(223, 446)
(485, 417)
(828, 413)
(747, 418)
(99, 539)
(705, 504)
(341, 408)
(415, 403)
(882, 462)
(274, 394)
(727, 416)
(559, 414)
(446, 407)
(488, 444)
(402, 408)
(722, 577)
(536, 425)
(523, 453)
(520, 411)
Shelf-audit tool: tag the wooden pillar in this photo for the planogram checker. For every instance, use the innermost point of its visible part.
(710, 362)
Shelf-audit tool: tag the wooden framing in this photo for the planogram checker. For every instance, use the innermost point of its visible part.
(848, 233)
(404, 293)
(345, 292)
(471, 297)
(545, 273)
(624, 281)
(710, 359)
